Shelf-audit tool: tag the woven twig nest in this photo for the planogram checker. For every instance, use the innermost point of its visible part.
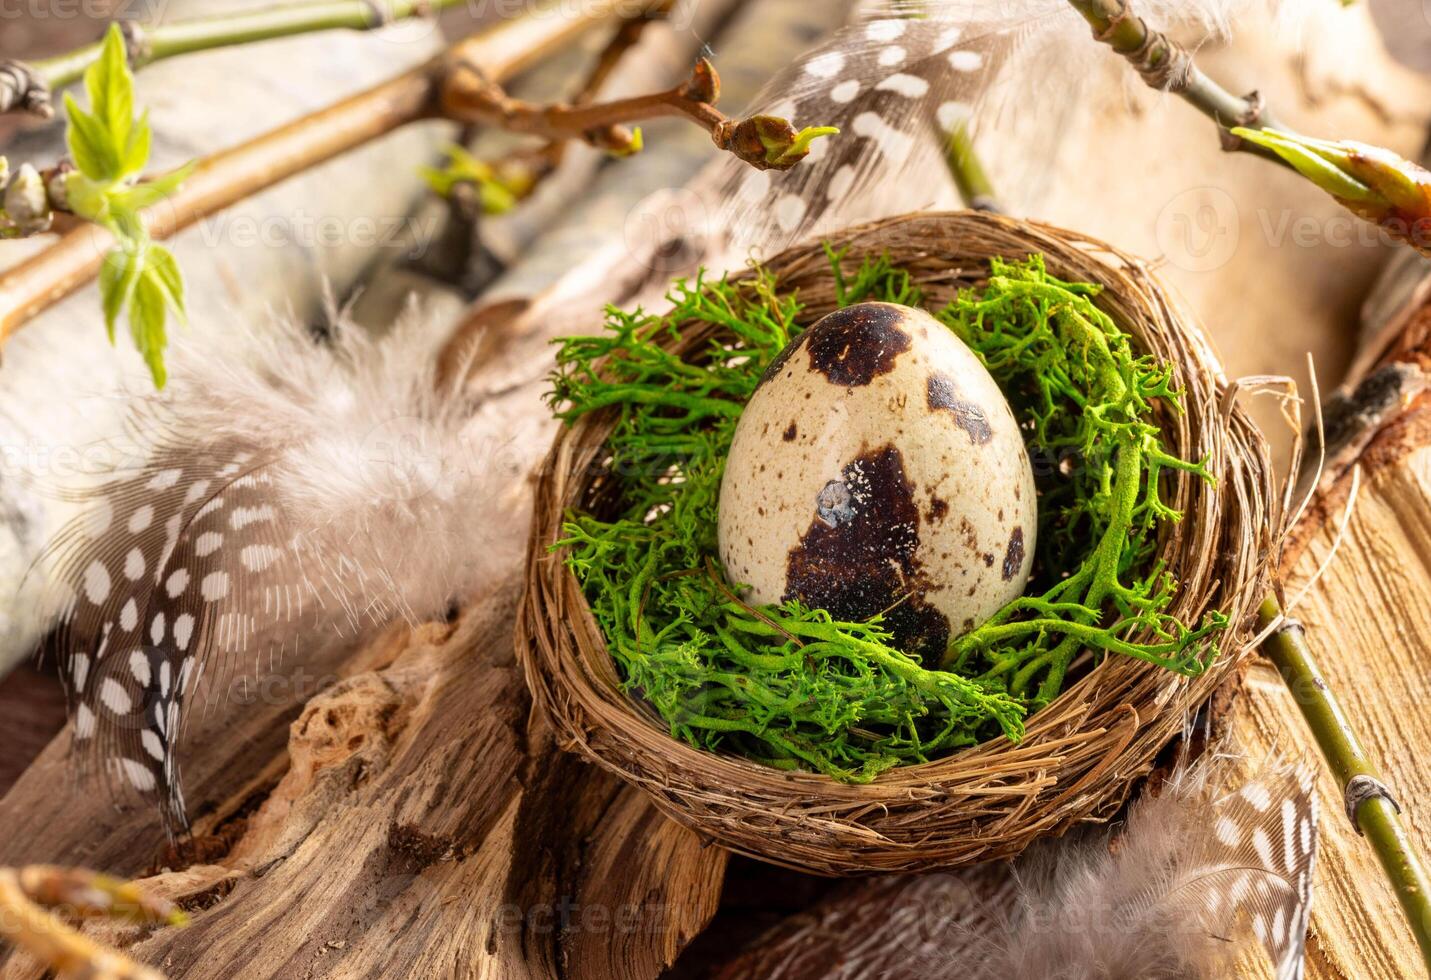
(1080, 754)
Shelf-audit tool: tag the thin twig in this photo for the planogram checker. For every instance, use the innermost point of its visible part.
(29, 896)
(968, 171)
(229, 177)
(534, 166)
(1374, 812)
(764, 142)
(1168, 66)
(28, 87)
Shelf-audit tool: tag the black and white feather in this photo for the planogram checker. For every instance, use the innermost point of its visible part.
(293, 486)
(903, 74)
(1199, 868)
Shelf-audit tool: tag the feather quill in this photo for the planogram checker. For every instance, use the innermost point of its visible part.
(1196, 870)
(289, 486)
(905, 71)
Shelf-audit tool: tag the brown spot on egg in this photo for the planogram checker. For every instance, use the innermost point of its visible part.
(943, 395)
(938, 509)
(853, 346)
(789, 434)
(1014, 557)
(858, 558)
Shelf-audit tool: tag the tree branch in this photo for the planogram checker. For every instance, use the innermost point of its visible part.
(231, 176)
(1376, 815)
(1373, 183)
(1168, 66)
(28, 87)
(764, 142)
(968, 171)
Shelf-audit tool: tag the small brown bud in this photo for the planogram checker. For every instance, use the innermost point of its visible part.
(56, 180)
(704, 85)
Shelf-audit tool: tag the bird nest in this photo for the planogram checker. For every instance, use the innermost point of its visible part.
(1079, 754)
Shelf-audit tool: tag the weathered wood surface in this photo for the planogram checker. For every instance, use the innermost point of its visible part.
(1368, 622)
(415, 823)
(447, 817)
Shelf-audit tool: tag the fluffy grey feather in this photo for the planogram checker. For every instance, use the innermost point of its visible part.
(1197, 870)
(280, 487)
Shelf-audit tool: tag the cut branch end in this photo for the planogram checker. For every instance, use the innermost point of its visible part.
(22, 90)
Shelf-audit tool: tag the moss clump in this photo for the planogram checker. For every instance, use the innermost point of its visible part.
(789, 686)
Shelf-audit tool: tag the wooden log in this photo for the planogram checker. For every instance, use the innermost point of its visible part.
(1369, 627)
(415, 823)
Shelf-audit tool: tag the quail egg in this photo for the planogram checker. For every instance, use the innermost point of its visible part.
(879, 470)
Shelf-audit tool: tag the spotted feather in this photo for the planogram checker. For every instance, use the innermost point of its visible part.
(900, 77)
(268, 498)
(1201, 867)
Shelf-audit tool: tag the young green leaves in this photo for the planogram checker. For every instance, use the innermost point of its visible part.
(1371, 182)
(499, 186)
(110, 148)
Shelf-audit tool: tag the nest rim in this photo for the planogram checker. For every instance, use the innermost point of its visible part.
(1080, 755)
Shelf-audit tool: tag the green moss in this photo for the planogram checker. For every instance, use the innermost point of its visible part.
(787, 685)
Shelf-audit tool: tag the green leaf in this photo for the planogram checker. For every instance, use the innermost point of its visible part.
(110, 86)
(1315, 160)
(117, 278)
(111, 149)
(86, 198)
(147, 315)
(800, 149)
(151, 192)
(164, 268)
(89, 143)
(137, 146)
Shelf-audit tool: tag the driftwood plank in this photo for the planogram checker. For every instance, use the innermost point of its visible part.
(415, 823)
(1369, 626)
(425, 828)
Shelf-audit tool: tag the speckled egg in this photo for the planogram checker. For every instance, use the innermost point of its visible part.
(879, 469)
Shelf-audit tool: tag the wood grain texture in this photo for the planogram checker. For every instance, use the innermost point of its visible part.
(32, 711)
(1369, 626)
(470, 846)
(413, 820)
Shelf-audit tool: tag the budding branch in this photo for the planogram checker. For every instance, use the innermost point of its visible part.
(463, 84)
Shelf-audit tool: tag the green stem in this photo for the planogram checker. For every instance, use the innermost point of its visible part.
(1377, 817)
(164, 41)
(1167, 65)
(968, 171)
